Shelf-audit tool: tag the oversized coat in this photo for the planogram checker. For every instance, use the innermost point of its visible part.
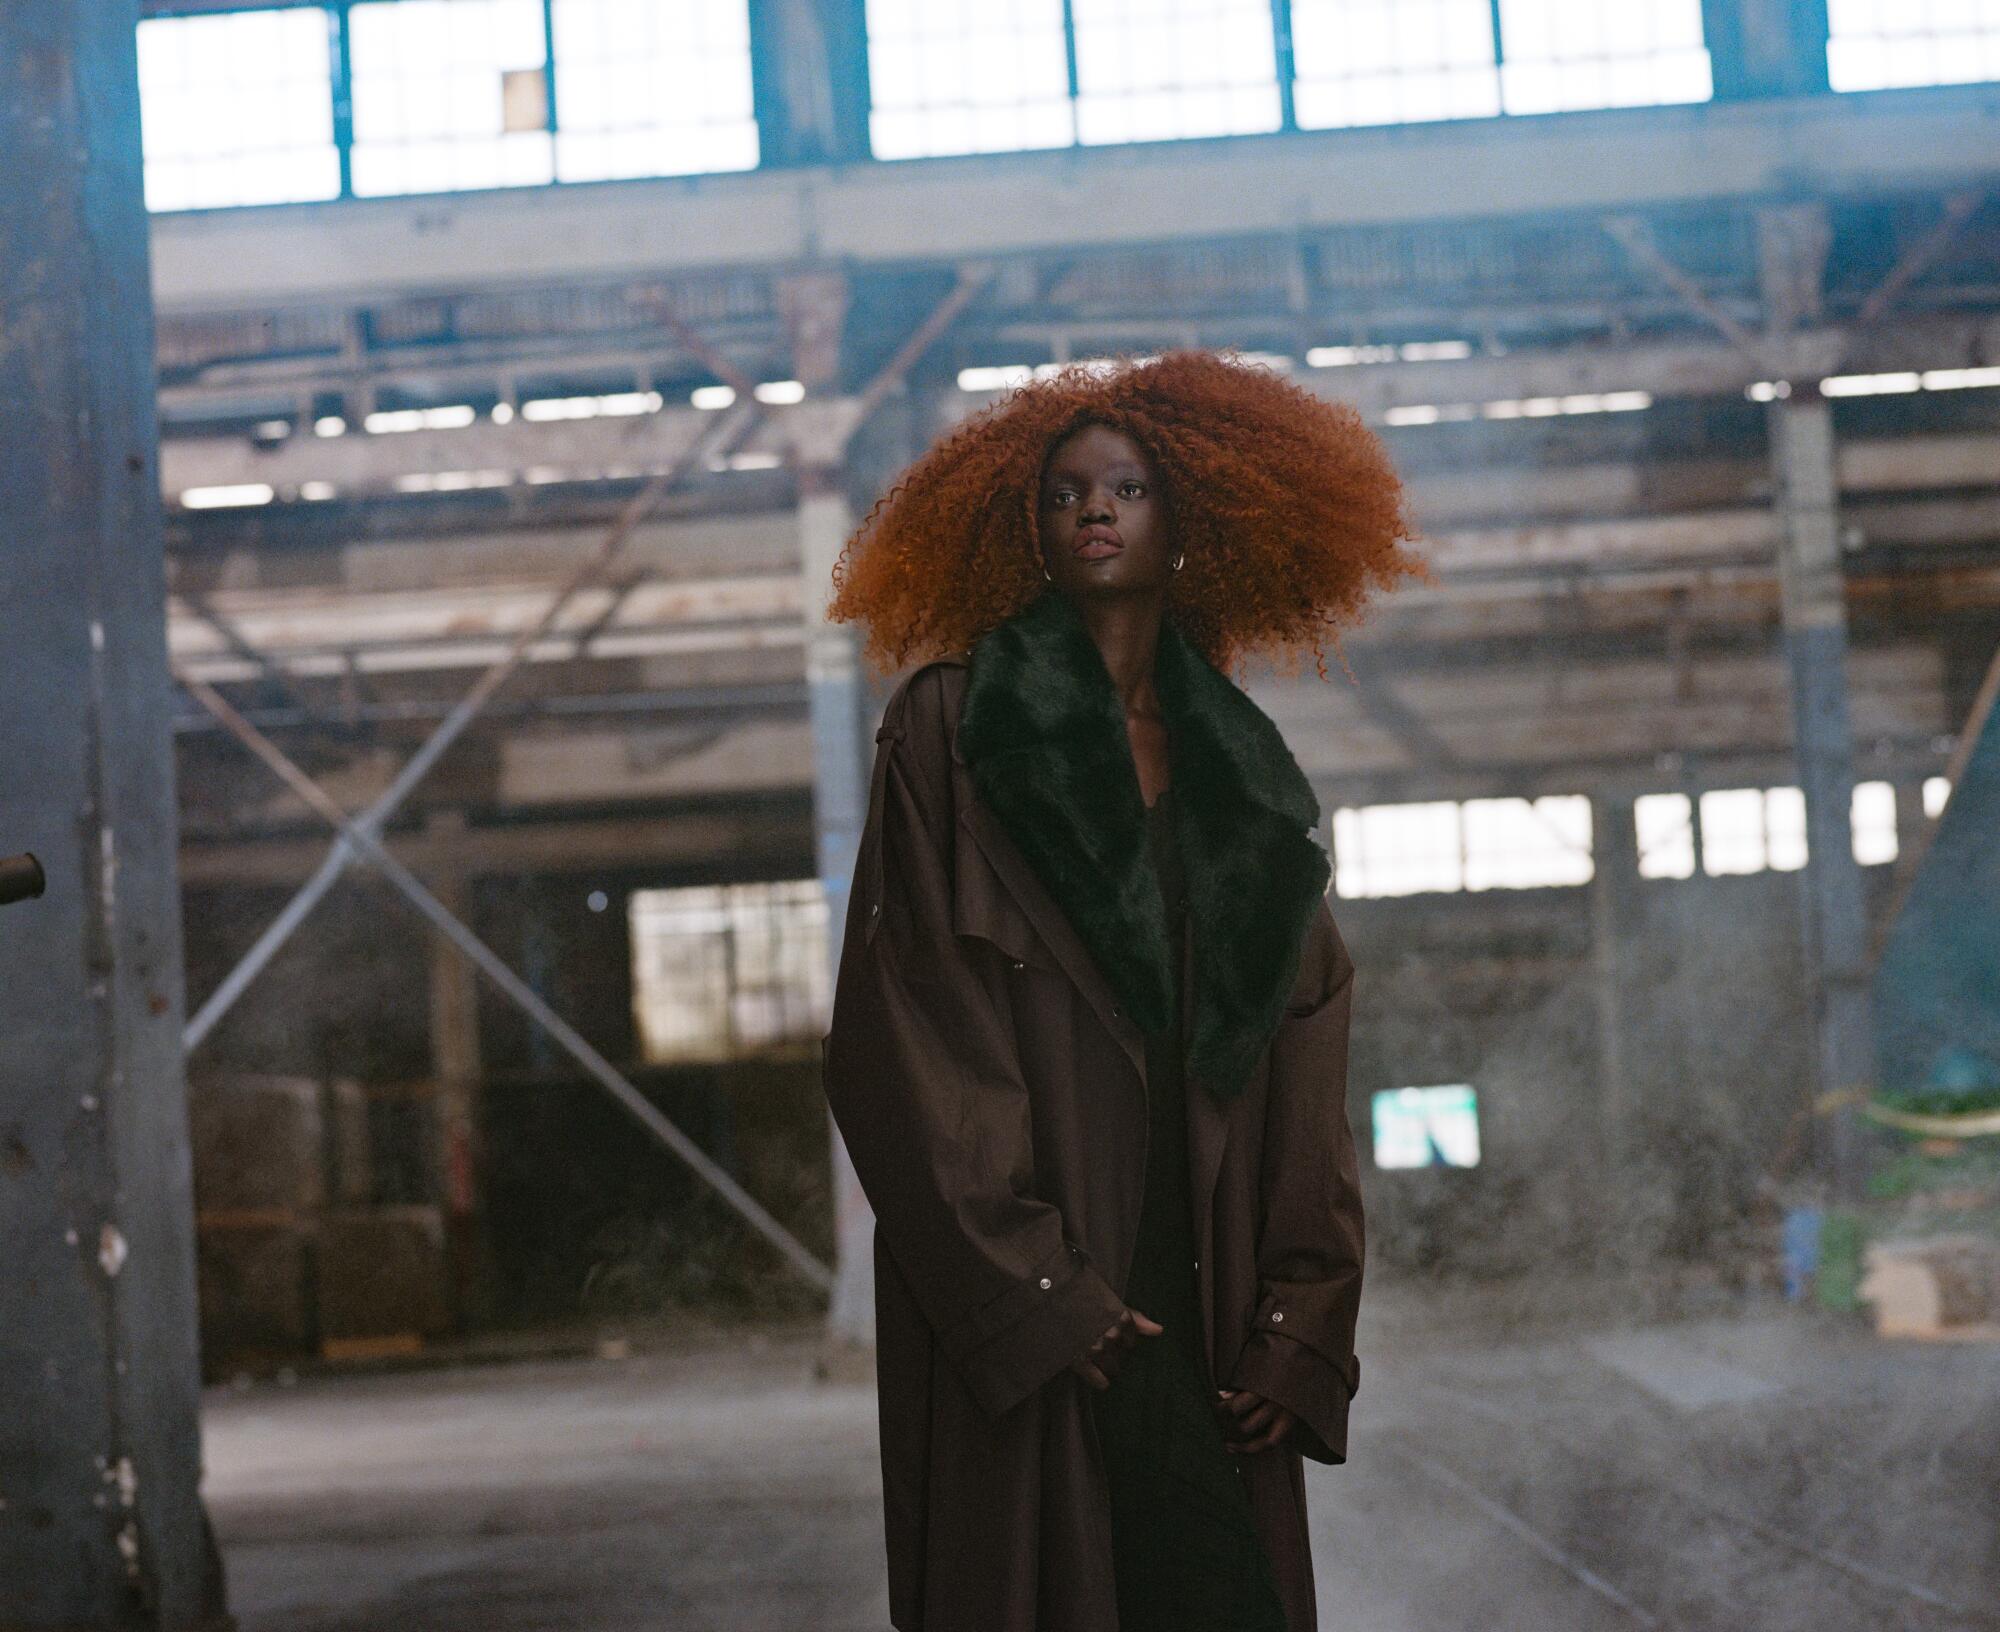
(988, 1077)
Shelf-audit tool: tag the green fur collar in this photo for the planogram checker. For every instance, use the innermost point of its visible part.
(1043, 735)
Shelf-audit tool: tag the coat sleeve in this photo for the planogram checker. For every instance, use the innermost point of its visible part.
(926, 1088)
(1300, 1352)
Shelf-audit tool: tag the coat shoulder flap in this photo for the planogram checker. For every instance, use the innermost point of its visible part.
(922, 716)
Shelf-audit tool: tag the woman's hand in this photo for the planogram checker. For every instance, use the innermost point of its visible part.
(1251, 1423)
(1103, 1359)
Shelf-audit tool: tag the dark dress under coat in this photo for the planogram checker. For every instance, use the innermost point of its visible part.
(993, 1097)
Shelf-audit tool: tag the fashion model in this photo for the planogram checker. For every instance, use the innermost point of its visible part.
(1088, 1048)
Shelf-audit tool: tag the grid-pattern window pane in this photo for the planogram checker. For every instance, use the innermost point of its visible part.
(1873, 819)
(1148, 70)
(727, 970)
(449, 94)
(237, 109)
(967, 76)
(1746, 830)
(645, 89)
(1384, 62)
(1732, 831)
(1664, 829)
(1523, 844)
(1398, 849)
(1601, 54)
(1785, 828)
(1872, 44)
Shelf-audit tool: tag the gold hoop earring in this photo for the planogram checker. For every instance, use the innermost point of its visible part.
(1179, 557)
(1046, 573)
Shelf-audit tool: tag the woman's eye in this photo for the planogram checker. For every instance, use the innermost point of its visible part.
(1135, 487)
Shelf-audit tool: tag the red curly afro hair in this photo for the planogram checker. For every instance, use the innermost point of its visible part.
(1285, 504)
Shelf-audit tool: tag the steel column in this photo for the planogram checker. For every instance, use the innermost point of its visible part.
(835, 689)
(100, 1522)
(1614, 882)
(1792, 249)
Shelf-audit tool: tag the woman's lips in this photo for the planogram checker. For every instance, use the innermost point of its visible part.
(1097, 542)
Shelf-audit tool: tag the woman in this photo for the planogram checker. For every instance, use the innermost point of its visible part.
(1089, 1036)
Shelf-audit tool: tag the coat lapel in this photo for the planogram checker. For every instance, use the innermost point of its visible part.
(1042, 735)
(975, 913)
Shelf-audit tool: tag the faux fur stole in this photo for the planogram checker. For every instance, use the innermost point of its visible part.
(1043, 734)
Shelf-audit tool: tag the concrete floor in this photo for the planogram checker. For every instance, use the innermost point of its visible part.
(1566, 1467)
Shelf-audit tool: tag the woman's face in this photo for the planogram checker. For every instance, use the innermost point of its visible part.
(1102, 516)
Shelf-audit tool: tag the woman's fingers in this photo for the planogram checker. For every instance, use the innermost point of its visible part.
(1263, 1430)
(1104, 1358)
(1090, 1374)
(1273, 1436)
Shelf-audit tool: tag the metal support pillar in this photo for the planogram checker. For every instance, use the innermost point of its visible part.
(816, 306)
(1813, 597)
(835, 694)
(100, 1521)
(456, 1067)
(1614, 881)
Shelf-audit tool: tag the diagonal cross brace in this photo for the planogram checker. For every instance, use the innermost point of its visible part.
(376, 817)
(367, 845)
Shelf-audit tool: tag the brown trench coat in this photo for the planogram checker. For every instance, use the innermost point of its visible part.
(992, 1097)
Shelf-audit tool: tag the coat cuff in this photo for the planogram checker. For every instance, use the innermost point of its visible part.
(1010, 1346)
(1306, 1383)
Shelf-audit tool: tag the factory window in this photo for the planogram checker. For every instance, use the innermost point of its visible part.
(1937, 793)
(728, 970)
(644, 89)
(1483, 844)
(1558, 54)
(238, 109)
(1746, 830)
(1373, 62)
(1398, 849)
(1152, 69)
(967, 76)
(1382, 62)
(1426, 1127)
(449, 94)
(1873, 819)
(1526, 844)
(1872, 44)
(1664, 829)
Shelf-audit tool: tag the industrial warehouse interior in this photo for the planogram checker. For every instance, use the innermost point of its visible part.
(431, 430)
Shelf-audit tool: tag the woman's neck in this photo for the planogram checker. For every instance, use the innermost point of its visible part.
(1127, 631)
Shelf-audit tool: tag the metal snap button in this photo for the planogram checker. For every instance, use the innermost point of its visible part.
(1277, 1314)
(1018, 964)
(1047, 1283)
